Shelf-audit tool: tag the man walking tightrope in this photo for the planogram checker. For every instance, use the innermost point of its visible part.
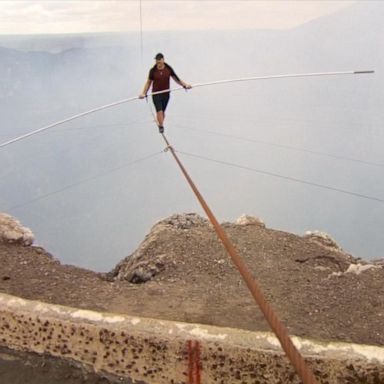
(158, 77)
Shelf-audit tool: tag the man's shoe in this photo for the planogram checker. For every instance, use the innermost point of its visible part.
(161, 129)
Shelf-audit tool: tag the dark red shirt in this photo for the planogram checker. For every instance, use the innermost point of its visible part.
(160, 77)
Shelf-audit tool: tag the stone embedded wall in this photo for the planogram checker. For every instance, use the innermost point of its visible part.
(156, 351)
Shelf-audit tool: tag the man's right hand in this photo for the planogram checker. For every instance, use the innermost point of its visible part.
(142, 96)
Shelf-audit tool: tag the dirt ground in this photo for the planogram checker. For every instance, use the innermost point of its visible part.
(191, 278)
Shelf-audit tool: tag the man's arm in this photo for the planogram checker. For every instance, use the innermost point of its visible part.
(178, 80)
(181, 82)
(146, 88)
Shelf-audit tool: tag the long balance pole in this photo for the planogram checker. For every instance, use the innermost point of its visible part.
(277, 326)
(197, 85)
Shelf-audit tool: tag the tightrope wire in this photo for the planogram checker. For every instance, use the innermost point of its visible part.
(281, 332)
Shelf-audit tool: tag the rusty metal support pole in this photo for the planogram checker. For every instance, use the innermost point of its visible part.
(276, 325)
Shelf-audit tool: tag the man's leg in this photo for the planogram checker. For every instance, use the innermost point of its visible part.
(160, 102)
(160, 118)
(161, 113)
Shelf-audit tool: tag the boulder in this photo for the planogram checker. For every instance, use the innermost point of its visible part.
(11, 231)
(184, 221)
(249, 220)
(323, 239)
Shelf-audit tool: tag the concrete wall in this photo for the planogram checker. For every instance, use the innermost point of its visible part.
(155, 351)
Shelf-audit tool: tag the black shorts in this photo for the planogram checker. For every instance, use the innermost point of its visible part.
(161, 101)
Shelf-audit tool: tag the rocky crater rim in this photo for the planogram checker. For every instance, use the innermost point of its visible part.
(144, 264)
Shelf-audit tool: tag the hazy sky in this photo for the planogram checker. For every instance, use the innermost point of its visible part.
(57, 16)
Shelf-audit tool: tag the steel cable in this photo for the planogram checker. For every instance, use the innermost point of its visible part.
(296, 180)
(70, 186)
(276, 325)
(284, 146)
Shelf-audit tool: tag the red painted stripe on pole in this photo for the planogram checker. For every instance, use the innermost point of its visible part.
(190, 362)
(197, 361)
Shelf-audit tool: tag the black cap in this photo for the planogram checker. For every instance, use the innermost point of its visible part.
(159, 56)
